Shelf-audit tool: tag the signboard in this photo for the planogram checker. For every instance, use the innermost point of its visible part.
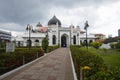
(10, 47)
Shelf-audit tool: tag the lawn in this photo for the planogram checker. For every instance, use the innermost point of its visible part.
(110, 57)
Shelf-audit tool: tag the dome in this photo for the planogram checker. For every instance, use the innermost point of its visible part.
(54, 21)
(39, 25)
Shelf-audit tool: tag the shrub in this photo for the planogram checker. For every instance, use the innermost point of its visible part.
(112, 46)
(45, 43)
(82, 57)
(51, 48)
(9, 61)
(117, 46)
(95, 44)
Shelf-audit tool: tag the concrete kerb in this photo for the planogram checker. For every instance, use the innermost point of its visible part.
(73, 68)
(23, 66)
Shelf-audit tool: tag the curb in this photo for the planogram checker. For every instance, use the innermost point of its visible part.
(73, 68)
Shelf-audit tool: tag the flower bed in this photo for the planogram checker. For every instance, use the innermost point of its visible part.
(87, 61)
(21, 56)
(10, 61)
(92, 65)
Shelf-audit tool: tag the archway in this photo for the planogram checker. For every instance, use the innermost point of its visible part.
(64, 40)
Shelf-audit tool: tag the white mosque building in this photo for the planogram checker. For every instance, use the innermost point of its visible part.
(57, 34)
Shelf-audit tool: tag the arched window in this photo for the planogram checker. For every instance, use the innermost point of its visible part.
(36, 40)
(29, 43)
(91, 41)
(54, 39)
(74, 39)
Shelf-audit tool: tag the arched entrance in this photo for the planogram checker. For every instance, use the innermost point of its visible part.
(64, 40)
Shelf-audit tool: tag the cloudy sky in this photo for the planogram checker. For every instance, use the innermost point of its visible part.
(103, 15)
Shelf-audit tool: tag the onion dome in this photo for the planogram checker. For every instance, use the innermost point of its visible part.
(54, 21)
(39, 24)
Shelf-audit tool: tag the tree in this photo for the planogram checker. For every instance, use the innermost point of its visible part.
(45, 43)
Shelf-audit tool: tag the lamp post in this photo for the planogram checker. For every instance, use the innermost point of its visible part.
(86, 26)
(0, 41)
(29, 28)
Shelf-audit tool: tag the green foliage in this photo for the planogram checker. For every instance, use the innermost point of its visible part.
(110, 57)
(82, 57)
(112, 46)
(51, 48)
(45, 43)
(117, 46)
(95, 44)
(9, 61)
(109, 40)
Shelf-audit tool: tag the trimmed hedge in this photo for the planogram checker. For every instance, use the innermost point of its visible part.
(98, 70)
(9, 61)
(82, 57)
(12, 60)
(51, 48)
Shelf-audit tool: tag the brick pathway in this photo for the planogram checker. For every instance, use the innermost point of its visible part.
(55, 66)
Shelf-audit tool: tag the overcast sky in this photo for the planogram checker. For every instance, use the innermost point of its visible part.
(103, 15)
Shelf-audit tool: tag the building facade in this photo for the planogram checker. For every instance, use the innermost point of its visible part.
(57, 34)
(4, 37)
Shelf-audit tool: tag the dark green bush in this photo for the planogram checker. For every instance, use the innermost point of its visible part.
(112, 46)
(45, 43)
(9, 61)
(95, 44)
(82, 57)
(117, 46)
(51, 48)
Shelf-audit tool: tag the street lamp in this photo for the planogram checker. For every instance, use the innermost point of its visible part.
(29, 28)
(86, 26)
(0, 41)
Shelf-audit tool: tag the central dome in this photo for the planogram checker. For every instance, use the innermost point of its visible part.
(54, 21)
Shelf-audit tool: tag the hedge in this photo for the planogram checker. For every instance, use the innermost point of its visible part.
(12, 60)
(82, 58)
(9, 61)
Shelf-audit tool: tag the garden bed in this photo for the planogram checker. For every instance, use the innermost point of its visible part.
(93, 65)
(21, 56)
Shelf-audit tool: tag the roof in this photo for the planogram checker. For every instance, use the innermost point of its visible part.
(99, 35)
(54, 21)
(42, 29)
(39, 24)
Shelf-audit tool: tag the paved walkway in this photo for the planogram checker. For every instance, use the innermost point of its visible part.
(55, 66)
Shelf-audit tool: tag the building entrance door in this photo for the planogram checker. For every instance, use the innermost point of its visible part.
(63, 41)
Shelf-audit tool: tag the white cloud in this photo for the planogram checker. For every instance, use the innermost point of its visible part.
(107, 21)
(102, 15)
(102, 19)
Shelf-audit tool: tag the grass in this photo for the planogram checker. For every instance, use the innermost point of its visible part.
(110, 57)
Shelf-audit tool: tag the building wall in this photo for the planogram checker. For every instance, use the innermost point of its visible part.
(69, 33)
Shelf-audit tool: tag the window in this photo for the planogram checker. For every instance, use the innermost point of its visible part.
(36, 40)
(54, 39)
(74, 39)
(29, 43)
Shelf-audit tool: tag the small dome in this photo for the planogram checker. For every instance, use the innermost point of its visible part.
(39, 25)
(54, 21)
(71, 26)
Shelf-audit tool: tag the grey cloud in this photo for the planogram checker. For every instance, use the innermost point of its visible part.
(30, 11)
